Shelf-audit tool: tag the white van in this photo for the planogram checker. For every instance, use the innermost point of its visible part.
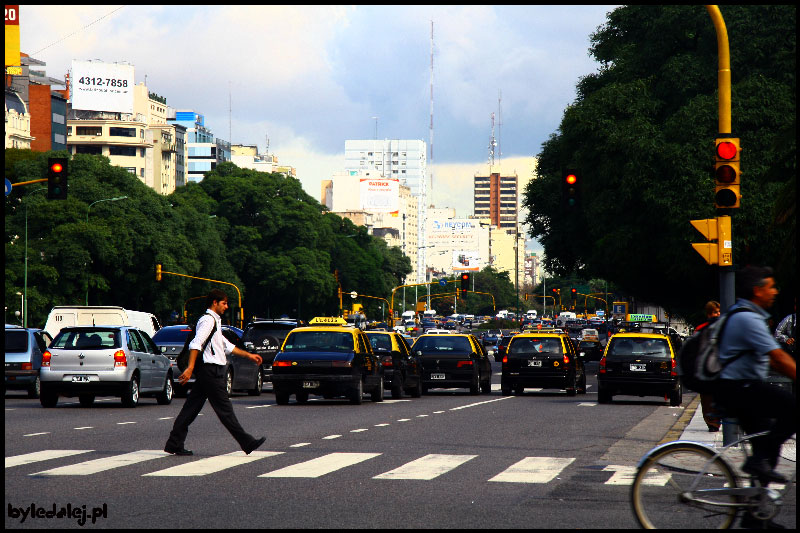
(81, 315)
(532, 314)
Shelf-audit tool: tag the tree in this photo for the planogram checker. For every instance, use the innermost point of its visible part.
(641, 130)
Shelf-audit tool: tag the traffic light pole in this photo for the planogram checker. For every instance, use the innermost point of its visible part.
(727, 292)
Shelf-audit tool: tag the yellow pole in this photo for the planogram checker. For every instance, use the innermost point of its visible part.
(241, 309)
(724, 75)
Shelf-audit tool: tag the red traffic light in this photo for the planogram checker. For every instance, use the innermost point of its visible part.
(574, 290)
(465, 276)
(727, 150)
(571, 179)
(56, 167)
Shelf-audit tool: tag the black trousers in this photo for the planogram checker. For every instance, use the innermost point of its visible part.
(209, 384)
(760, 406)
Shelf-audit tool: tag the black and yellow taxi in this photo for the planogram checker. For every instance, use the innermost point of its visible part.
(639, 364)
(453, 361)
(546, 359)
(327, 358)
(402, 370)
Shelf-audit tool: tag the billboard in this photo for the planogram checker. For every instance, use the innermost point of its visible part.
(13, 62)
(381, 194)
(464, 260)
(98, 86)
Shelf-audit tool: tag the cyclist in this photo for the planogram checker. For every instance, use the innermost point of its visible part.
(743, 390)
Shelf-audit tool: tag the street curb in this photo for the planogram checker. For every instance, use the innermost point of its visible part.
(677, 429)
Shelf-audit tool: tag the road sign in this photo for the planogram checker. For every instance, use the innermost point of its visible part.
(443, 282)
(8, 187)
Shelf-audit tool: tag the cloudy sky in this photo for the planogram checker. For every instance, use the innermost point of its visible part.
(310, 77)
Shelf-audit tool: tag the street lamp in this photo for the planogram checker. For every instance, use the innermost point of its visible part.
(21, 308)
(25, 288)
(87, 223)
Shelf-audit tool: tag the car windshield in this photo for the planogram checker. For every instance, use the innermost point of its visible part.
(443, 344)
(319, 341)
(380, 343)
(528, 345)
(87, 339)
(168, 334)
(256, 333)
(16, 341)
(628, 346)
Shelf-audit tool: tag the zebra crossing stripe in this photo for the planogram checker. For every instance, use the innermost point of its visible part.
(624, 475)
(44, 455)
(106, 463)
(210, 465)
(534, 470)
(427, 467)
(321, 465)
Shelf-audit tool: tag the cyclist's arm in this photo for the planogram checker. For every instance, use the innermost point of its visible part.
(783, 363)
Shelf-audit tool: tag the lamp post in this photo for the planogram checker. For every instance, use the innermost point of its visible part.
(21, 307)
(25, 287)
(87, 223)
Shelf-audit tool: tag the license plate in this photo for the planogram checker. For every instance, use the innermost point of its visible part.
(310, 384)
(534, 362)
(437, 376)
(638, 368)
(80, 379)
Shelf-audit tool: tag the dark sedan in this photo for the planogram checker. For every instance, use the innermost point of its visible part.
(546, 360)
(453, 361)
(402, 370)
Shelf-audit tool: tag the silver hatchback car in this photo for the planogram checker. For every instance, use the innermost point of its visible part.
(92, 361)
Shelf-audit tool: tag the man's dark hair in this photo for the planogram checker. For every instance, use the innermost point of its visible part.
(751, 277)
(216, 295)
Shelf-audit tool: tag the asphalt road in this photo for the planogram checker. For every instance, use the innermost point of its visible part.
(448, 459)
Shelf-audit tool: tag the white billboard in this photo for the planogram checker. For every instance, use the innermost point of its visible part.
(466, 260)
(381, 194)
(98, 86)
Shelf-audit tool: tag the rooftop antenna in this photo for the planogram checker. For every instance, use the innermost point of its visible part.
(492, 144)
(376, 127)
(230, 134)
(499, 125)
(430, 143)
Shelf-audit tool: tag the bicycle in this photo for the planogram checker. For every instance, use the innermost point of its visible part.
(689, 485)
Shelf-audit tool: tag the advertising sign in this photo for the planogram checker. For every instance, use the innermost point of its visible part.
(13, 61)
(466, 260)
(381, 194)
(98, 86)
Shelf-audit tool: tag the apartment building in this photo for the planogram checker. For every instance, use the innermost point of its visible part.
(496, 197)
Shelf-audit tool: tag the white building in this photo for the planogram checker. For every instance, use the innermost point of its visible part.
(404, 160)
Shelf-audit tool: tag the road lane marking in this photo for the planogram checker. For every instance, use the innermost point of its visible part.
(381, 425)
(299, 445)
(586, 404)
(534, 470)
(331, 437)
(85, 427)
(358, 430)
(427, 467)
(165, 418)
(45, 455)
(211, 465)
(481, 403)
(258, 406)
(124, 423)
(106, 463)
(404, 420)
(624, 475)
(321, 465)
(35, 434)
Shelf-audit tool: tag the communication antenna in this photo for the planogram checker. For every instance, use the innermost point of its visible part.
(376, 127)
(492, 144)
(267, 136)
(499, 125)
(230, 130)
(430, 143)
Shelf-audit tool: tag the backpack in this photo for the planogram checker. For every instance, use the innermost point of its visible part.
(183, 357)
(699, 365)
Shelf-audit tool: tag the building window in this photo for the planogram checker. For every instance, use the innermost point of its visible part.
(88, 130)
(132, 170)
(121, 132)
(92, 149)
(122, 150)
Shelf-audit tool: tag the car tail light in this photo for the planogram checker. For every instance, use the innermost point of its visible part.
(464, 363)
(505, 359)
(27, 366)
(566, 359)
(120, 359)
(386, 360)
(46, 358)
(674, 372)
(341, 364)
(282, 363)
(602, 367)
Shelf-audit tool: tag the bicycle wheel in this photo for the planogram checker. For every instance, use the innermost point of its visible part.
(668, 480)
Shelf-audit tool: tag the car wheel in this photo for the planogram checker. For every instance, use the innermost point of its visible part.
(86, 400)
(301, 396)
(229, 382)
(130, 397)
(356, 393)
(518, 390)
(259, 384)
(486, 386)
(416, 392)
(165, 396)
(676, 396)
(282, 397)
(582, 384)
(48, 399)
(35, 390)
(603, 396)
(377, 393)
(475, 386)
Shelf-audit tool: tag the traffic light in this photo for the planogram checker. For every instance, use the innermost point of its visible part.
(464, 283)
(571, 188)
(574, 292)
(727, 173)
(158, 271)
(57, 178)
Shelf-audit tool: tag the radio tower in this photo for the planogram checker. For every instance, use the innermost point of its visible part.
(430, 141)
(492, 144)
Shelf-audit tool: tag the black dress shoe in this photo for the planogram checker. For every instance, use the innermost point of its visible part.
(254, 445)
(761, 469)
(177, 451)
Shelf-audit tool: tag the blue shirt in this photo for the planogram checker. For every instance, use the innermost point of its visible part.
(747, 332)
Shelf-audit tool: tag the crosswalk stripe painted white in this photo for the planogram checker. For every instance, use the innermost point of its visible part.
(44, 455)
(210, 465)
(321, 465)
(534, 470)
(106, 463)
(428, 467)
(624, 475)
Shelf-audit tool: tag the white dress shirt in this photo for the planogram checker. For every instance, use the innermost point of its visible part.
(219, 346)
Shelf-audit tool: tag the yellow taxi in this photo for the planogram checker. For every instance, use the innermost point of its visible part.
(542, 359)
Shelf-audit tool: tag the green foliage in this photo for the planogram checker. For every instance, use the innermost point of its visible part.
(641, 130)
(259, 231)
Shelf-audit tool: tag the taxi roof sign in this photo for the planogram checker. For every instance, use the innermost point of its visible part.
(328, 321)
(640, 318)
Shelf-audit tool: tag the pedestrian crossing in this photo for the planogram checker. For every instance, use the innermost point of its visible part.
(531, 470)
